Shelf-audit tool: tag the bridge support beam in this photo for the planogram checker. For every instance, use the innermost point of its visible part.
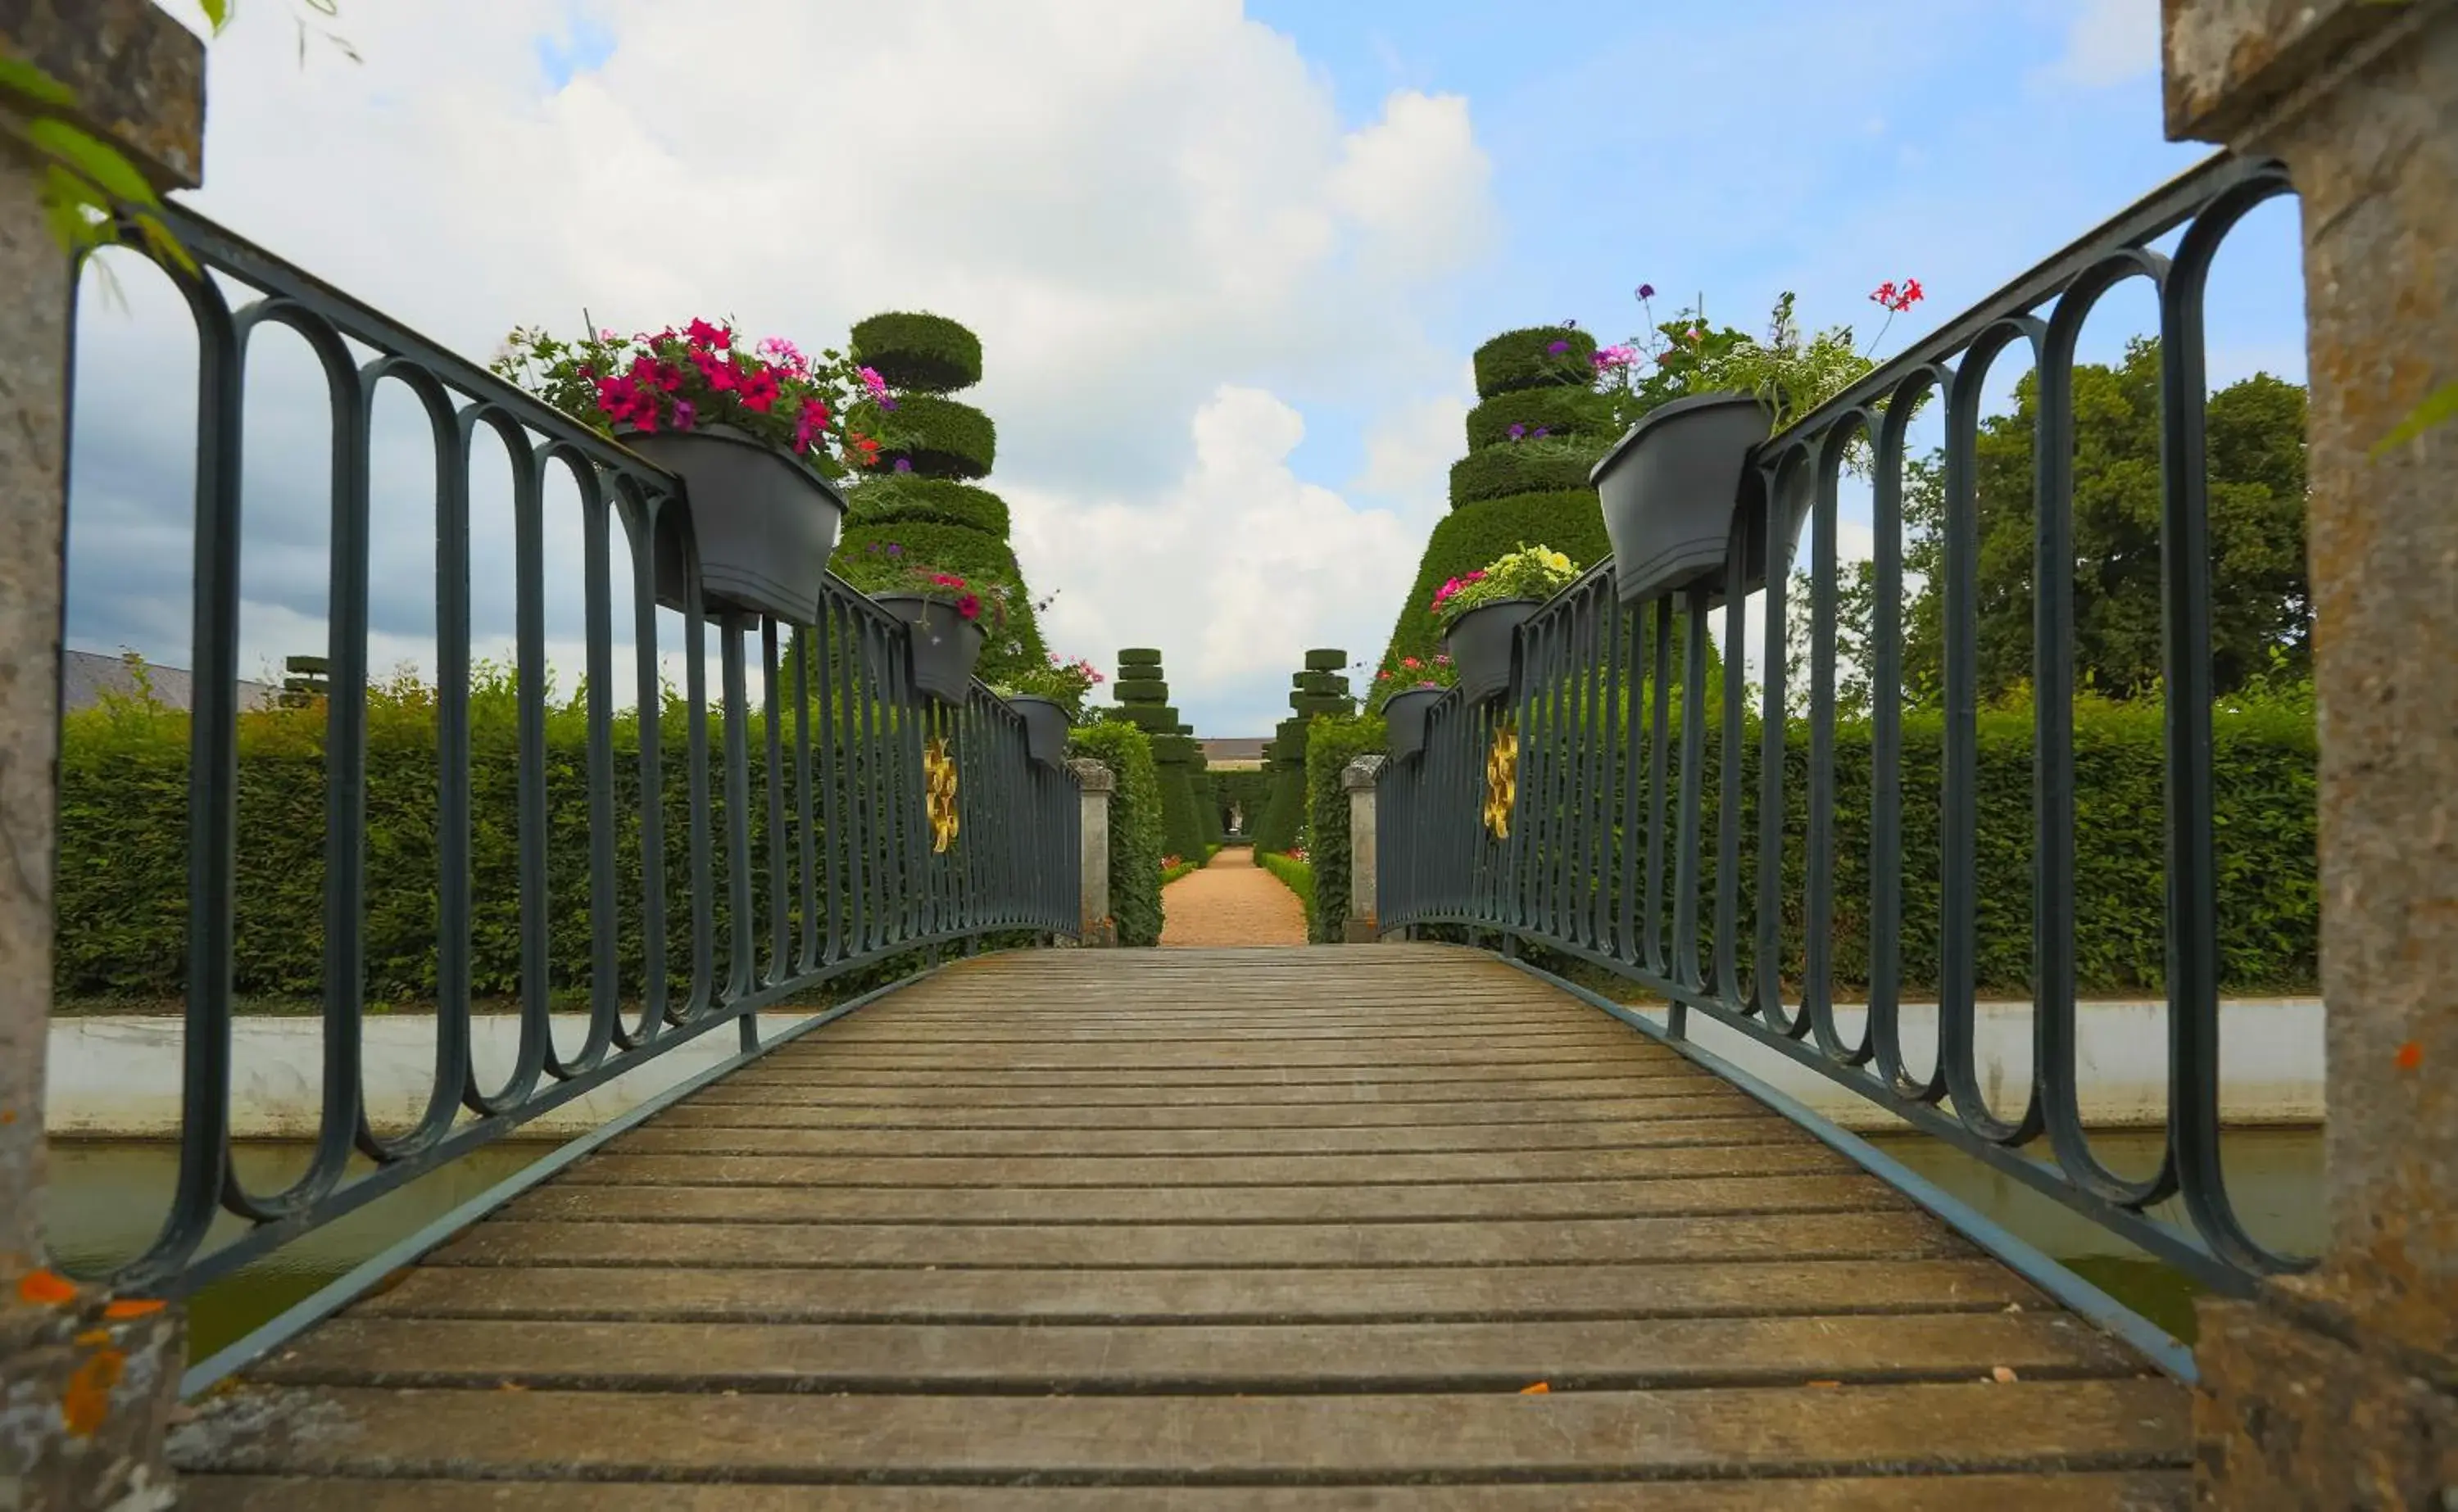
(88, 1382)
(1361, 778)
(1100, 927)
(2340, 1388)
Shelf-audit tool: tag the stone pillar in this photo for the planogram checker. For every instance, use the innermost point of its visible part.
(2340, 1389)
(87, 1381)
(1099, 927)
(1359, 779)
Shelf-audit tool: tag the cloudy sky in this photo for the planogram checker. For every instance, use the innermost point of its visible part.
(1227, 261)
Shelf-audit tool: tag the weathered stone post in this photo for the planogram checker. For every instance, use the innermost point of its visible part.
(87, 1381)
(2340, 1389)
(1359, 779)
(1099, 926)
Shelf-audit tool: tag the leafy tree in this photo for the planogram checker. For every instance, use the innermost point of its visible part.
(2261, 624)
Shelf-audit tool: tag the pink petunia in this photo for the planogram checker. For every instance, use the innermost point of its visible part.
(706, 336)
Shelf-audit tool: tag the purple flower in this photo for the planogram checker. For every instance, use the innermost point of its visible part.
(893, 550)
(1538, 432)
(1517, 432)
(686, 416)
(1647, 291)
(1558, 348)
(888, 405)
(905, 465)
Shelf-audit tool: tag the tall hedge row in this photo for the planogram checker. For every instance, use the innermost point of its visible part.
(2264, 759)
(1332, 743)
(1318, 690)
(1135, 826)
(121, 890)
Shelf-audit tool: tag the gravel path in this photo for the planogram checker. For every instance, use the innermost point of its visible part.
(1233, 902)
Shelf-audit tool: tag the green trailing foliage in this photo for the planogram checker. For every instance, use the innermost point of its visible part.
(906, 498)
(1135, 826)
(919, 352)
(936, 436)
(1331, 745)
(1523, 359)
(1564, 413)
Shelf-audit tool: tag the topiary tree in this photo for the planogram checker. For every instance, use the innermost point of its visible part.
(921, 492)
(1320, 690)
(1143, 701)
(1533, 438)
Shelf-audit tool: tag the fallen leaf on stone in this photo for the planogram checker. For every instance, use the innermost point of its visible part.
(2003, 1374)
(1540, 1389)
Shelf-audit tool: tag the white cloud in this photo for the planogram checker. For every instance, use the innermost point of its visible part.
(1409, 450)
(1234, 573)
(1135, 202)
(2108, 42)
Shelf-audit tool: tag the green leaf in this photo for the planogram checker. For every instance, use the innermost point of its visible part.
(25, 80)
(164, 245)
(97, 159)
(2439, 408)
(218, 13)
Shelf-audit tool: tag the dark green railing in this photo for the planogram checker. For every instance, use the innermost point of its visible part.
(853, 874)
(1606, 858)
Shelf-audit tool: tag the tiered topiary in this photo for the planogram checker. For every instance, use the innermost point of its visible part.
(1318, 689)
(1531, 439)
(1143, 701)
(919, 492)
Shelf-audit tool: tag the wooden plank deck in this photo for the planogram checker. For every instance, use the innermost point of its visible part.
(1276, 1228)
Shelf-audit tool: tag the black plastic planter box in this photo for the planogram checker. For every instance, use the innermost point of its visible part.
(946, 646)
(763, 523)
(1480, 645)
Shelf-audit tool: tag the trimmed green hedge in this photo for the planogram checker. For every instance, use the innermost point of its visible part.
(1296, 875)
(1139, 656)
(946, 438)
(970, 553)
(2264, 760)
(1518, 360)
(1186, 868)
(1331, 744)
(1564, 412)
(1326, 659)
(1135, 826)
(1474, 534)
(121, 889)
(1141, 690)
(1498, 473)
(1249, 790)
(919, 352)
(902, 498)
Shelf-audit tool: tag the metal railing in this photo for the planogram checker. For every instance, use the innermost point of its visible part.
(1597, 849)
(860, 867)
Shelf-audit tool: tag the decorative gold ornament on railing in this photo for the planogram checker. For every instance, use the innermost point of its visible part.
(939, 794)
(1501, 781)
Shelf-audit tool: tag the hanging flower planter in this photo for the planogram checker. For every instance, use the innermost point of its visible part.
(1670, 488)
(1045, 727)
(945, 643)
(1480, 643)
(1403, 717)
(762, 522)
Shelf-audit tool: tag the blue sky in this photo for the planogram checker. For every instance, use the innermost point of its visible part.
(1227, 262)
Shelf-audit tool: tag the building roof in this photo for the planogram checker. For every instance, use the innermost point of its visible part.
(86, 676)
(1236, 748)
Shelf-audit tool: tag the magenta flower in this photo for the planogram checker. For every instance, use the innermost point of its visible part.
(686, 416)
(905, 465)
(1558, 348)
(704, 334)
(969, 607)
(1647, 291)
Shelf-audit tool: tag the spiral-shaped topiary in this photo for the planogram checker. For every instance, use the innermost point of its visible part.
(1526, 359)
(919, 353)
(1562, 412)
(1142, 691)
(931, 508)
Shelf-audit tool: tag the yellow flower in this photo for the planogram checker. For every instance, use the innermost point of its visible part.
(1558, 561)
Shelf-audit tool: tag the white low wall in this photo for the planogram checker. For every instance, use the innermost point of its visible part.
(2270, 1063)
(119, 1077)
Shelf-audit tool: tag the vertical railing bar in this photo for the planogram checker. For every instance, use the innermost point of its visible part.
(780, 950)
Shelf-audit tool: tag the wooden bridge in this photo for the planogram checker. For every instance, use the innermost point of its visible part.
(1384, 1226)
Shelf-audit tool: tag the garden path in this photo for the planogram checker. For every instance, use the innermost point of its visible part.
(1233, 902)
